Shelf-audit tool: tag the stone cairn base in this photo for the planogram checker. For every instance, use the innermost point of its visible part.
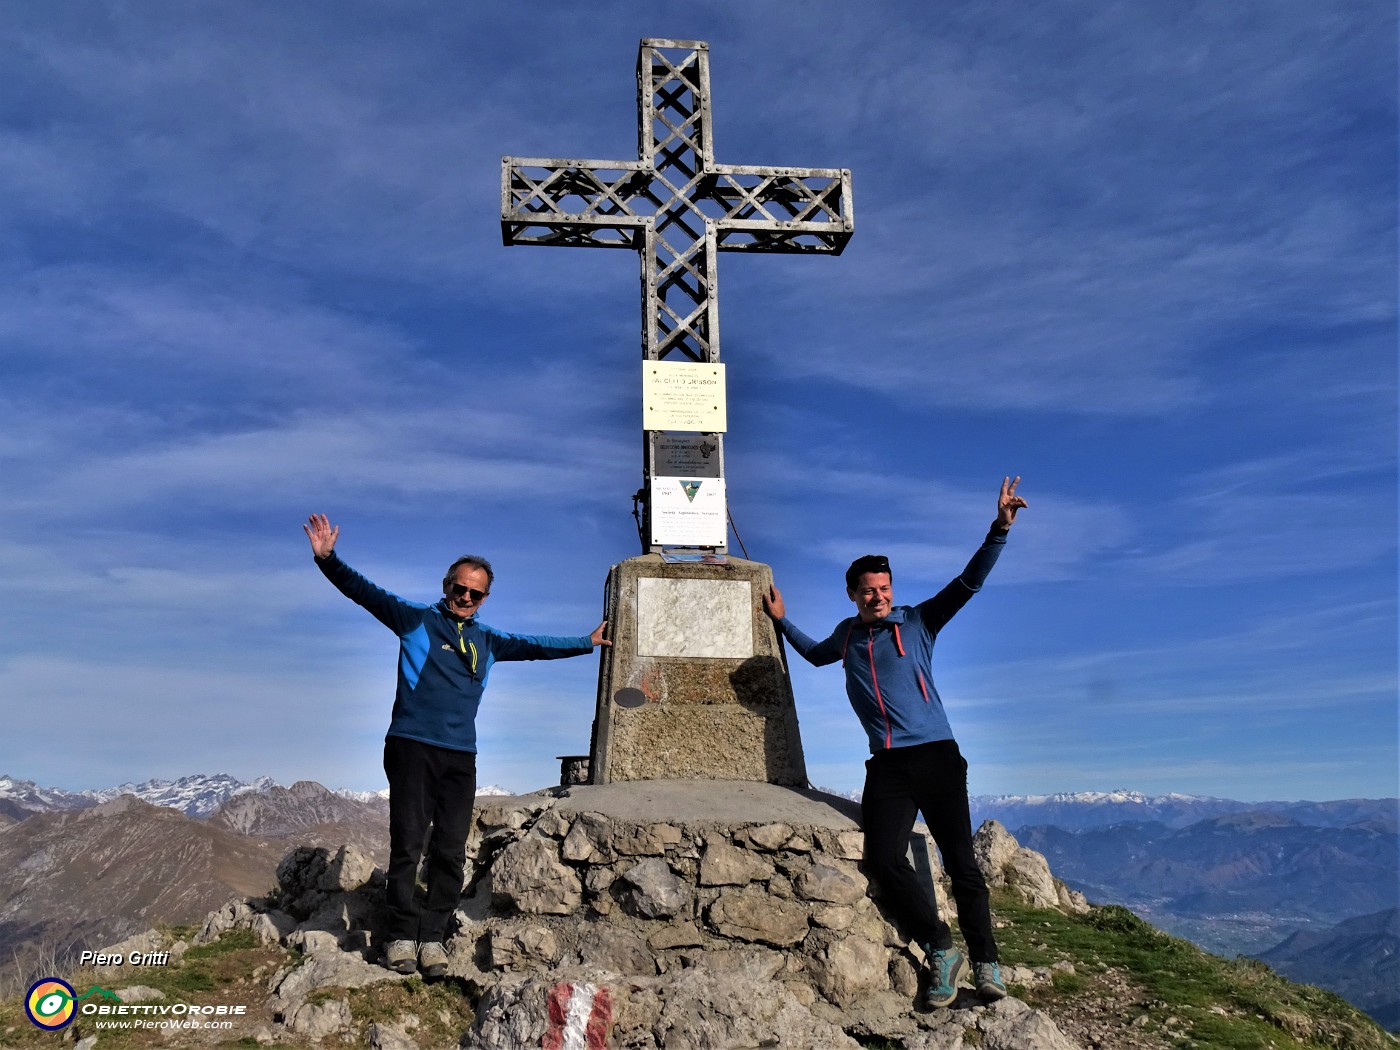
(739, 919)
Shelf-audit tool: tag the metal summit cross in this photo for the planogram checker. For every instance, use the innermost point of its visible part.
(678, 208)
(693, 686)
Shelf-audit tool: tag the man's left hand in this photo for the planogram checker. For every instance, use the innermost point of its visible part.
(597, 636)
(1008, 503)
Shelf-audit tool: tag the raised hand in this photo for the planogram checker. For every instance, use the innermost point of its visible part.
(322, 535)
(773, 603)
(1008, 503)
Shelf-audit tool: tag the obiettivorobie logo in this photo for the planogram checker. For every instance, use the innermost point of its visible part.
(53, 1005)
(51, 1002)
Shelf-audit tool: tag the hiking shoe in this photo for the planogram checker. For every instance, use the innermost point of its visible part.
(432, 959)
(946, 967)
(400, 956)
(986, 978)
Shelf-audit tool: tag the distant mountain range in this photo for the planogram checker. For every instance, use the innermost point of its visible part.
(198, 795)
(1084, 810)
(1238, 883)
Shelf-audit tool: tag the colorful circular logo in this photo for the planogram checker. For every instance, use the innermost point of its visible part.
(49, 1003)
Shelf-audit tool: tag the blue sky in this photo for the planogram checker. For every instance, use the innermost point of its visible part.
(1143, 255)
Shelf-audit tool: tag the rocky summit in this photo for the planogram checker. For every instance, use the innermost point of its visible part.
(653, 914)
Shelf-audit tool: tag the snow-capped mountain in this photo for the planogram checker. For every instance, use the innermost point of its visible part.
(1078, 810)
(197, 795)
(19, 798)
(382, 795)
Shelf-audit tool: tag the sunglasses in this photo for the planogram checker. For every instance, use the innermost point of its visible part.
(456, 590)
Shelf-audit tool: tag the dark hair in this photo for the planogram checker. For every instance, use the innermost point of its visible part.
(475, 562)
(866, 563)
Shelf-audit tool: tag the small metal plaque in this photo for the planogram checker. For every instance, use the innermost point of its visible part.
(687, 455)
(630, 698)
(683, 395)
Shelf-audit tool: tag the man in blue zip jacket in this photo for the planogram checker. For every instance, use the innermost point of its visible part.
(915, 764)
(445, 654)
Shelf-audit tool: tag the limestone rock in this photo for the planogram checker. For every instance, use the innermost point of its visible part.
(514, 1013)
(753, 915)
(272, 927)
(553, 824)
(347, 870)
(522, 945)
(1071, 900)
(652, 890)
(384, 1036)
(589, 840)
(832, 885)
(651, 840)
(725, 865)
(848, 969)
(316, 1021)
(703, 1008)
(308, 874)
(767, 837)
(605, 946)
(682, 935)
(1005, 863)
(338, 970)
(528, 877)
(1012, 1025)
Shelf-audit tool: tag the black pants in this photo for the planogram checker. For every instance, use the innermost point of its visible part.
(427, 786)
(900, 783)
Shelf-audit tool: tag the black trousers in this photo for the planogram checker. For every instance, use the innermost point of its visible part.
(900, 783)
(428, 786)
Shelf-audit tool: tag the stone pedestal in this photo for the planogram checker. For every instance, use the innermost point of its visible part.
(694, 686)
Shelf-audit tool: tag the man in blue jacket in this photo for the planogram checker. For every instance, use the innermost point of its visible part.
(915, 764)
(445, 654)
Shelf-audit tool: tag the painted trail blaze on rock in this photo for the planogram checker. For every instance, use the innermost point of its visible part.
(579, 1017)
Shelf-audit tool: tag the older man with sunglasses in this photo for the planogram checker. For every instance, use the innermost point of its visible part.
(887, 652)
(445, 654)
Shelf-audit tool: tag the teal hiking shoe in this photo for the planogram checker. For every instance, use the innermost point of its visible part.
(946, 967)
(986, 978)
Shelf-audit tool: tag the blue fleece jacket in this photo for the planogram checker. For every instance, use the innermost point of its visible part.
(889, 674)
(443, 661)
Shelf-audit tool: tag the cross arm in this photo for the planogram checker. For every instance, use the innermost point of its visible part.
(781, 209)
(559, 201)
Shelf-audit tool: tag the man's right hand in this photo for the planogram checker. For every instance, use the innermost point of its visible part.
(322, 535)
(773, 603)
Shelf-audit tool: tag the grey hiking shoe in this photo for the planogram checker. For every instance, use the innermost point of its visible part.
(986, 978)
(946, 967)
(401, 956)
(432, 959)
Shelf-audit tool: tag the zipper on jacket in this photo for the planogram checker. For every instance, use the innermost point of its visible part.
(466, 647)
(875, 681)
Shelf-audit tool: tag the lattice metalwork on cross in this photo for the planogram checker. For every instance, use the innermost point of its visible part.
(675, 205)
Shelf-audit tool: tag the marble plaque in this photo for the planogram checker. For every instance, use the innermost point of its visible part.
(705, 618)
